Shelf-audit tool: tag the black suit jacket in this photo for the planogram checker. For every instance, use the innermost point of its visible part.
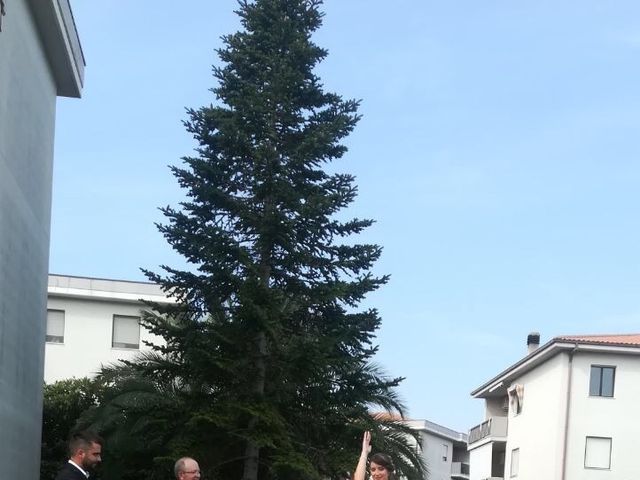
(69, 472)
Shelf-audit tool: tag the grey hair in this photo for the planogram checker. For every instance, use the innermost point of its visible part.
(179, 465)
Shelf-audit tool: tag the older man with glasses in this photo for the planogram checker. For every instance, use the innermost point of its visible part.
(186, 468)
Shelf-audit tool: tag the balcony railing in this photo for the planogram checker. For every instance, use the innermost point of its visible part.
(493, 427)
(459, 470)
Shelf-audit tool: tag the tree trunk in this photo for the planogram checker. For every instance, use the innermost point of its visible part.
(252, 451)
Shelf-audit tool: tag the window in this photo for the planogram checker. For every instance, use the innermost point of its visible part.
(597, 452)
(445, 452)
(55, 326)
(515, 462)
(602, 381)
(126, 332)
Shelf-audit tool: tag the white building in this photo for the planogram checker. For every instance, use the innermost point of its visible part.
(40, 59)
(444, 450)
(93, 322)
(569, 410)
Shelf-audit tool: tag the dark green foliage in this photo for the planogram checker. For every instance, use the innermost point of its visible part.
(266, 369)
(139, 418)
(63, 404)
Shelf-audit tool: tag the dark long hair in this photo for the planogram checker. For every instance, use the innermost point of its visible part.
(385, 461)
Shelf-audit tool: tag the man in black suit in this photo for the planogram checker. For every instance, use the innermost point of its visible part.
(85, 451)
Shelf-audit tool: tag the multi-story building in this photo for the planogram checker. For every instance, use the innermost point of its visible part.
(566, 411)
(93, 322)
(40, 59)
(444, 450)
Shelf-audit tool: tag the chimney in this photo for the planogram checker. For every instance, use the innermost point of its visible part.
(533, 342)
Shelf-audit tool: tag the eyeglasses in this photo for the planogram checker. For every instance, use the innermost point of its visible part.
(191, 472)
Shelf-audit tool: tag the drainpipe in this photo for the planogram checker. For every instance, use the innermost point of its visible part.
(567, 412)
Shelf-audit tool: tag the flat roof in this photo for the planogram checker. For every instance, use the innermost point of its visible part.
(438, 430)
(105, 289)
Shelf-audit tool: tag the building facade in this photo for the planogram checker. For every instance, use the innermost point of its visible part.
(566, 411)
(94, 322)
(443, 450)
(40, 59)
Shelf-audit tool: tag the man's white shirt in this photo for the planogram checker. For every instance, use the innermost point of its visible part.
(84, 472)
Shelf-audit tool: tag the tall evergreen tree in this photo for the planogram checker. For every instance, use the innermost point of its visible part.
(267, 347)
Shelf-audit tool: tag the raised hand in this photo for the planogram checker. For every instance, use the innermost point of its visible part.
(361, 469)
(366, 443)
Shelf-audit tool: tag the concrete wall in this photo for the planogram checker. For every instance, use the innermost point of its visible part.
(27, 111)
(87, 337)
(494, 407)
(433, 447)
(480, 460)
(538, 431)
(615, 417)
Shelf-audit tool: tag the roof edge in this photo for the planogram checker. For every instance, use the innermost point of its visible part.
(536, 357)
(548, 350)
(60, 40)
(142, 282)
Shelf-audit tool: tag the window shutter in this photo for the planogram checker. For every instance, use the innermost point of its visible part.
(55, 326)
(126, 332)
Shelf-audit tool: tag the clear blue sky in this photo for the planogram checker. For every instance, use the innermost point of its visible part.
(498, 153)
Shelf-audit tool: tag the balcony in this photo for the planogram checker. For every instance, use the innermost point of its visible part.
(459, 470)
(493, 429)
